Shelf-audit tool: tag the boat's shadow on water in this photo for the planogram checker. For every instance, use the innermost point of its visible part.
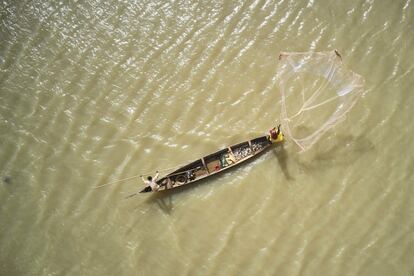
(164, 199)
(164, 202)
(347, 147)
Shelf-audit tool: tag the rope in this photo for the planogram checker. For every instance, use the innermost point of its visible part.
(136, 176)
(116, 181)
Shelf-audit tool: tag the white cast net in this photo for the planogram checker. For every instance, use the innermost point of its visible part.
(317, 91)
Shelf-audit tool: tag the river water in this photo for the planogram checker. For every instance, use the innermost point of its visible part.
(97, 91)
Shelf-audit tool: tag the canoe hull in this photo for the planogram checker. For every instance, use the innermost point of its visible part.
(213, 164)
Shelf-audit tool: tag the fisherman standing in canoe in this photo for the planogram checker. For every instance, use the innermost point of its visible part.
(275, 135)
(151, 182)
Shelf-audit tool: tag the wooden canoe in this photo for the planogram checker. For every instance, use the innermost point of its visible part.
(214, 163)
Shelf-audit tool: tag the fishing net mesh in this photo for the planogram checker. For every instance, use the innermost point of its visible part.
(317, 92)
